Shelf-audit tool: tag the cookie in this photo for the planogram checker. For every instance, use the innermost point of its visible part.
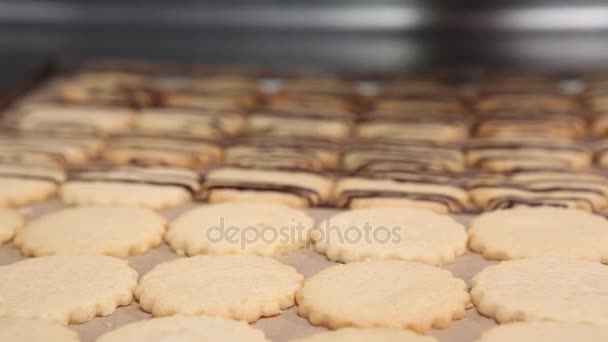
(111, 231)
(23, 183)
(322, 85)
(274, 152)
(219, 286)
(255, 228)
(504, 154)
(280, 124)
(65, 289)
(28, 330)
(438, 132)
(296, 189)
(386, 156)
(384, 294)
(420, 109)
(151, 151)
(64, 118)
(540, 231)
(407, 190)
(561, 124)
(48, 148)
(10, 222)
(188, 123)
(193, 99)
(156, 188)
(576, 190)
(545, 331)
(538, 102)
(390, 233)
(184, 329)
(363, 335)
(321, 106)
(543, 289)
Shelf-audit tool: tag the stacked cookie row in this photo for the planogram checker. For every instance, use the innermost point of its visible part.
(308, 139)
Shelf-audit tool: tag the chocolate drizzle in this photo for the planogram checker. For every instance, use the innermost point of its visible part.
(452, 204)
(311, 196)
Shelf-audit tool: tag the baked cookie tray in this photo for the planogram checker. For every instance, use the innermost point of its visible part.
(288, 324)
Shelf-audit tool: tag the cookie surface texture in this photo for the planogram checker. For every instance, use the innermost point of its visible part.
(115, 231)
(385, 294)
(65, 289)
(540, 231)
(29, 330)
(543, 289)
(184, 329)
(390, 233)
(256, 228)
(364, 335)
(242, 287)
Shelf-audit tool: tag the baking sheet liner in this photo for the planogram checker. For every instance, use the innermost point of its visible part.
(280, 328)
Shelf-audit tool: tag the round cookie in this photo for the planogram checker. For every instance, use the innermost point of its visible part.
(65, 289)
(545, 331)
(256, 228)
(242, 287)
(391, 233)
(10, 221)
(184, 329)
(543, 289)
(540, 231)
(115, 231)
(385, 294)
(151, 187)
(29, 330)
(26, 182)
(364, 335)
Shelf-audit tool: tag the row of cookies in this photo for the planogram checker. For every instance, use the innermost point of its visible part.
(370, 184)
(268, 229)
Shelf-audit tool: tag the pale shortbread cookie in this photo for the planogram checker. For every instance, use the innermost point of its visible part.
(23, 183)
(156, 151)
(266, 229)
(155, 188)
(184, 329)
(360, 192)
(111, 231)
(31, 330)
(365, 335)
(190, 123)
(545, 331)
(292, 188)
(391, 233)
(10, 222)
(543, 289)
(65, 289)
(440, 132)
(503, 154)
(540, 231)
(77, 118)
(267, 123)
(49, 148)
(242, 287)
(385, 294)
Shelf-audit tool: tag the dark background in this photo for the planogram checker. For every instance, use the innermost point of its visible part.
(361, 35)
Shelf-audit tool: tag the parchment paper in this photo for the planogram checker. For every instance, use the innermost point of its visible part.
(284, 327)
